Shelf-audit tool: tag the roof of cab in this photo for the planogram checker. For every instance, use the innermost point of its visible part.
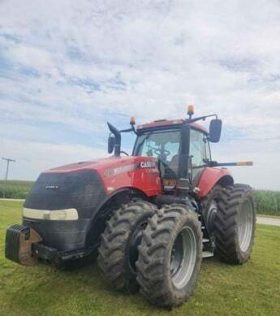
(161, 124)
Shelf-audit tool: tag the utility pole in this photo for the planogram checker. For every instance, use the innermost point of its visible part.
(8, 160)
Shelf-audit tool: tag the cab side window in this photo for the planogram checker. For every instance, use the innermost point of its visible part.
(198, 148)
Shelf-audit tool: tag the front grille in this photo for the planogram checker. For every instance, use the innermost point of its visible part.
(82, 190)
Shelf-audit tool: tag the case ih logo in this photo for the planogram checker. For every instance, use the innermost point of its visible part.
(148, 164)
(141, 165)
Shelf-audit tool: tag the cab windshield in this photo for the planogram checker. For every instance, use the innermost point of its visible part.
(163, 145)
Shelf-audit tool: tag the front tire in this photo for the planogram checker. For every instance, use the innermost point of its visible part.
(118, 250)
(170, 256)
(235, 224)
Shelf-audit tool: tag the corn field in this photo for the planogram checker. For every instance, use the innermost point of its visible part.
(268, 202)
(15, 189)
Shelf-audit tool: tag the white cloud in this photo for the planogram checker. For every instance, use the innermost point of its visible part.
(95, 59)
(34, 157)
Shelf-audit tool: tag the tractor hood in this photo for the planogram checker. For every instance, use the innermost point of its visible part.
(98, 164)
(118, 172)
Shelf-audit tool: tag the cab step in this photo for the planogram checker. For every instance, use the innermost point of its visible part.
(207, 254)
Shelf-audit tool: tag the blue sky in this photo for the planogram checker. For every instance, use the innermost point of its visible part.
(67, 67)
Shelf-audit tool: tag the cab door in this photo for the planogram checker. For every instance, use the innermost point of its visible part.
(199, 152)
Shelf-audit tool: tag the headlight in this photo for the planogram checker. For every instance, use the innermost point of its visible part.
(69, 214)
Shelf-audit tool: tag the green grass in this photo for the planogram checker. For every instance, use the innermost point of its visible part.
(251, 289)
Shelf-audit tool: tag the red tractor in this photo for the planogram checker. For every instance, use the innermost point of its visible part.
(152, 216)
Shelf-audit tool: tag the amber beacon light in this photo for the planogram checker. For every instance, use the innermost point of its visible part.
(132, 120)
(190, 111)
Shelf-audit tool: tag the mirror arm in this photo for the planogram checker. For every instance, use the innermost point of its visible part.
(201, 118)
(131, 129)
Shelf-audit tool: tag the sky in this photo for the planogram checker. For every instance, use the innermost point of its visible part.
(67, 67)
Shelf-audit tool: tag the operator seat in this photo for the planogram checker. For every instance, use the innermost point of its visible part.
(196, 172)
(174, 163)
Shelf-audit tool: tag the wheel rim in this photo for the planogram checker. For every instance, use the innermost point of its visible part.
(211, 216)
(245, 225)
(183, 258)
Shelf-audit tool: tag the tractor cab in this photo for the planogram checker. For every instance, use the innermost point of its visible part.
(162, 140)
(181, 147)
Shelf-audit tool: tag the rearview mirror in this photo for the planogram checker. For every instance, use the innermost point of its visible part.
(215, 129)
(111, 143)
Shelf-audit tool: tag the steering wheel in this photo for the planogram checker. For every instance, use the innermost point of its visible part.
(159, 152)
(124, 152)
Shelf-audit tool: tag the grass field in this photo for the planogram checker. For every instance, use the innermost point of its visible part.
(251, 289)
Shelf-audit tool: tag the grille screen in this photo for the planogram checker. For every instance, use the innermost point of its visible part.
(81, 190)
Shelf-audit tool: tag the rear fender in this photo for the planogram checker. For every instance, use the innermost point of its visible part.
(211, 177)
